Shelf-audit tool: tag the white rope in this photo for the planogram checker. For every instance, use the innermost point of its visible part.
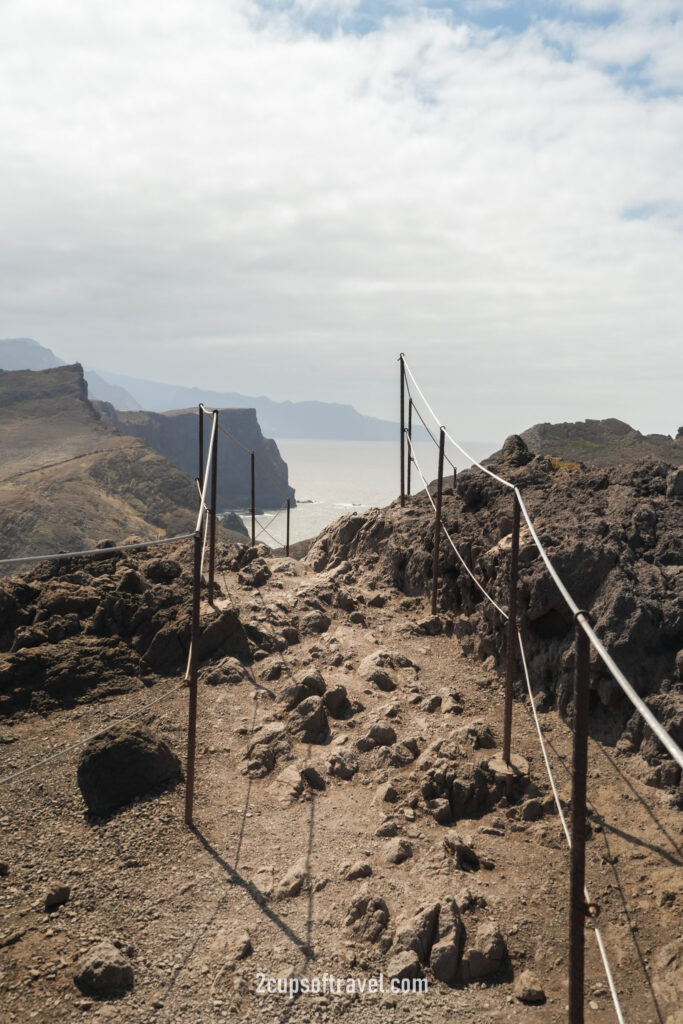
(596, 929)
(470, 458)
(452, 543)
(86, 739)
(658, 729)
(97, 551)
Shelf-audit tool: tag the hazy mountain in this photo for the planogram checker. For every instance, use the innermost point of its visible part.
(323, 420)
(26, 354)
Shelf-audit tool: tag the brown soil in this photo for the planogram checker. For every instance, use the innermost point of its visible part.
(178, 897)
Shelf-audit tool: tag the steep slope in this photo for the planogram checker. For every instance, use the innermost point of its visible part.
(174, 435)
(67, 480)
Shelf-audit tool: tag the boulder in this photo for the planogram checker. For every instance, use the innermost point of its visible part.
(343, 765)
(104, 970)
(486, 954)
(397, 850)
(308, 720)
(445, 952)
(292, 883)
(162, 570)
(367, 917)
(125, 762)
(527, 988)
(309, 683)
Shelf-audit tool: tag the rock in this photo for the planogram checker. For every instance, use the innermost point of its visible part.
(357, 618)
(361, 869)
(288, 785)
(224, 632)
(308, 720)
(241, 946)
(386, 793)
(127, 761)
(486, 954)
(532, 810)
(57, 894)
(314, 622)
(292, 883)
(431, 626)
(527, 988)
(387, 829)
(228, 671)
(433, 703)
(4, 869)
(309, 683)
(440, 809)
(268, 742)
(515, 452)
(404, 965)
(447, 948)
(255, 574)
(343, 765)
(335, 700)
(382, 734)
(367, 917)
(313, 778)
(451, 703)
(374, 669)
(418, 933)
(104, 969)
(162, 570)
(397, 850)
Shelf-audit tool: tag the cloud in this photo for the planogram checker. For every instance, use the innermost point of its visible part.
(220, 193)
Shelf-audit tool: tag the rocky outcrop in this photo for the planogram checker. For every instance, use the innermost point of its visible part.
(615, 537)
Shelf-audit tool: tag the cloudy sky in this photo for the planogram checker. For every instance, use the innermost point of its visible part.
(277, 196)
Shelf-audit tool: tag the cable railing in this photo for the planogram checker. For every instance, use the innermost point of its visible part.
(580, 903)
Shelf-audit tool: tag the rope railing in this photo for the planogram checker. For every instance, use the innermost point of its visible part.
(113, 549)
(667, 741)
(596, 930)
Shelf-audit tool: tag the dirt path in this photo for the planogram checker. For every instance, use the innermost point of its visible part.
(179, 899)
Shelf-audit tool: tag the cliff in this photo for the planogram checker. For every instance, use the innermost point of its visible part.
(608, 442)
(174, 435)
(68, 480)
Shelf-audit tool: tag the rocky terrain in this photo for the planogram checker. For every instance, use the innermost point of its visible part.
(609, 442)
(174, 435)
(352, 817)
(614, 535)
(67, 479)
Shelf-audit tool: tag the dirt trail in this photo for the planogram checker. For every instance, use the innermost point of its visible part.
(178, 899)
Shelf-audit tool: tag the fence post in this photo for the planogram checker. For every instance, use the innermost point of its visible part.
(194, 662)
(212, 515)
(410, 438)
(511, 672)
(253, 500)
(577, 905)
(437, 522)
(287, 546)
(403, 425)
(200, 475)
(455, 479)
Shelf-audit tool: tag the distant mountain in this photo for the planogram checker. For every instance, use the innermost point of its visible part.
(26, 354)
(322, 420)
(608, 442)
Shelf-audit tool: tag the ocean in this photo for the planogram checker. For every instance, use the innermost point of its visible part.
(333, 478)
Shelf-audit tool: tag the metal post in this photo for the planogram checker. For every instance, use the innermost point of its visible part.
(212, 513)
(468, 554)
(253, 500)
(194, 662)
(577, 905)
(511, 673)
(410, 438)
(455, 479)
(437, 522)
(200, 475)
(403, 425)
(287, 546)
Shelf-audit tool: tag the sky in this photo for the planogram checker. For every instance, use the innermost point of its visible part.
(278, 196)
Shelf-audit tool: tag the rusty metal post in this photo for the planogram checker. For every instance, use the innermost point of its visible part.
(253, 499)
(287, 545)
(511, 672)
(577, 904)
(200, 475)
(410, 438)
(194, 663)
(437, 522)
(403, 426)
(455, 479)
(212, 512)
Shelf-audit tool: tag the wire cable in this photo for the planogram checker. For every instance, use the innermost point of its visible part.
(452, 542)
(59, 555)
(421, 418)
(86, 739)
